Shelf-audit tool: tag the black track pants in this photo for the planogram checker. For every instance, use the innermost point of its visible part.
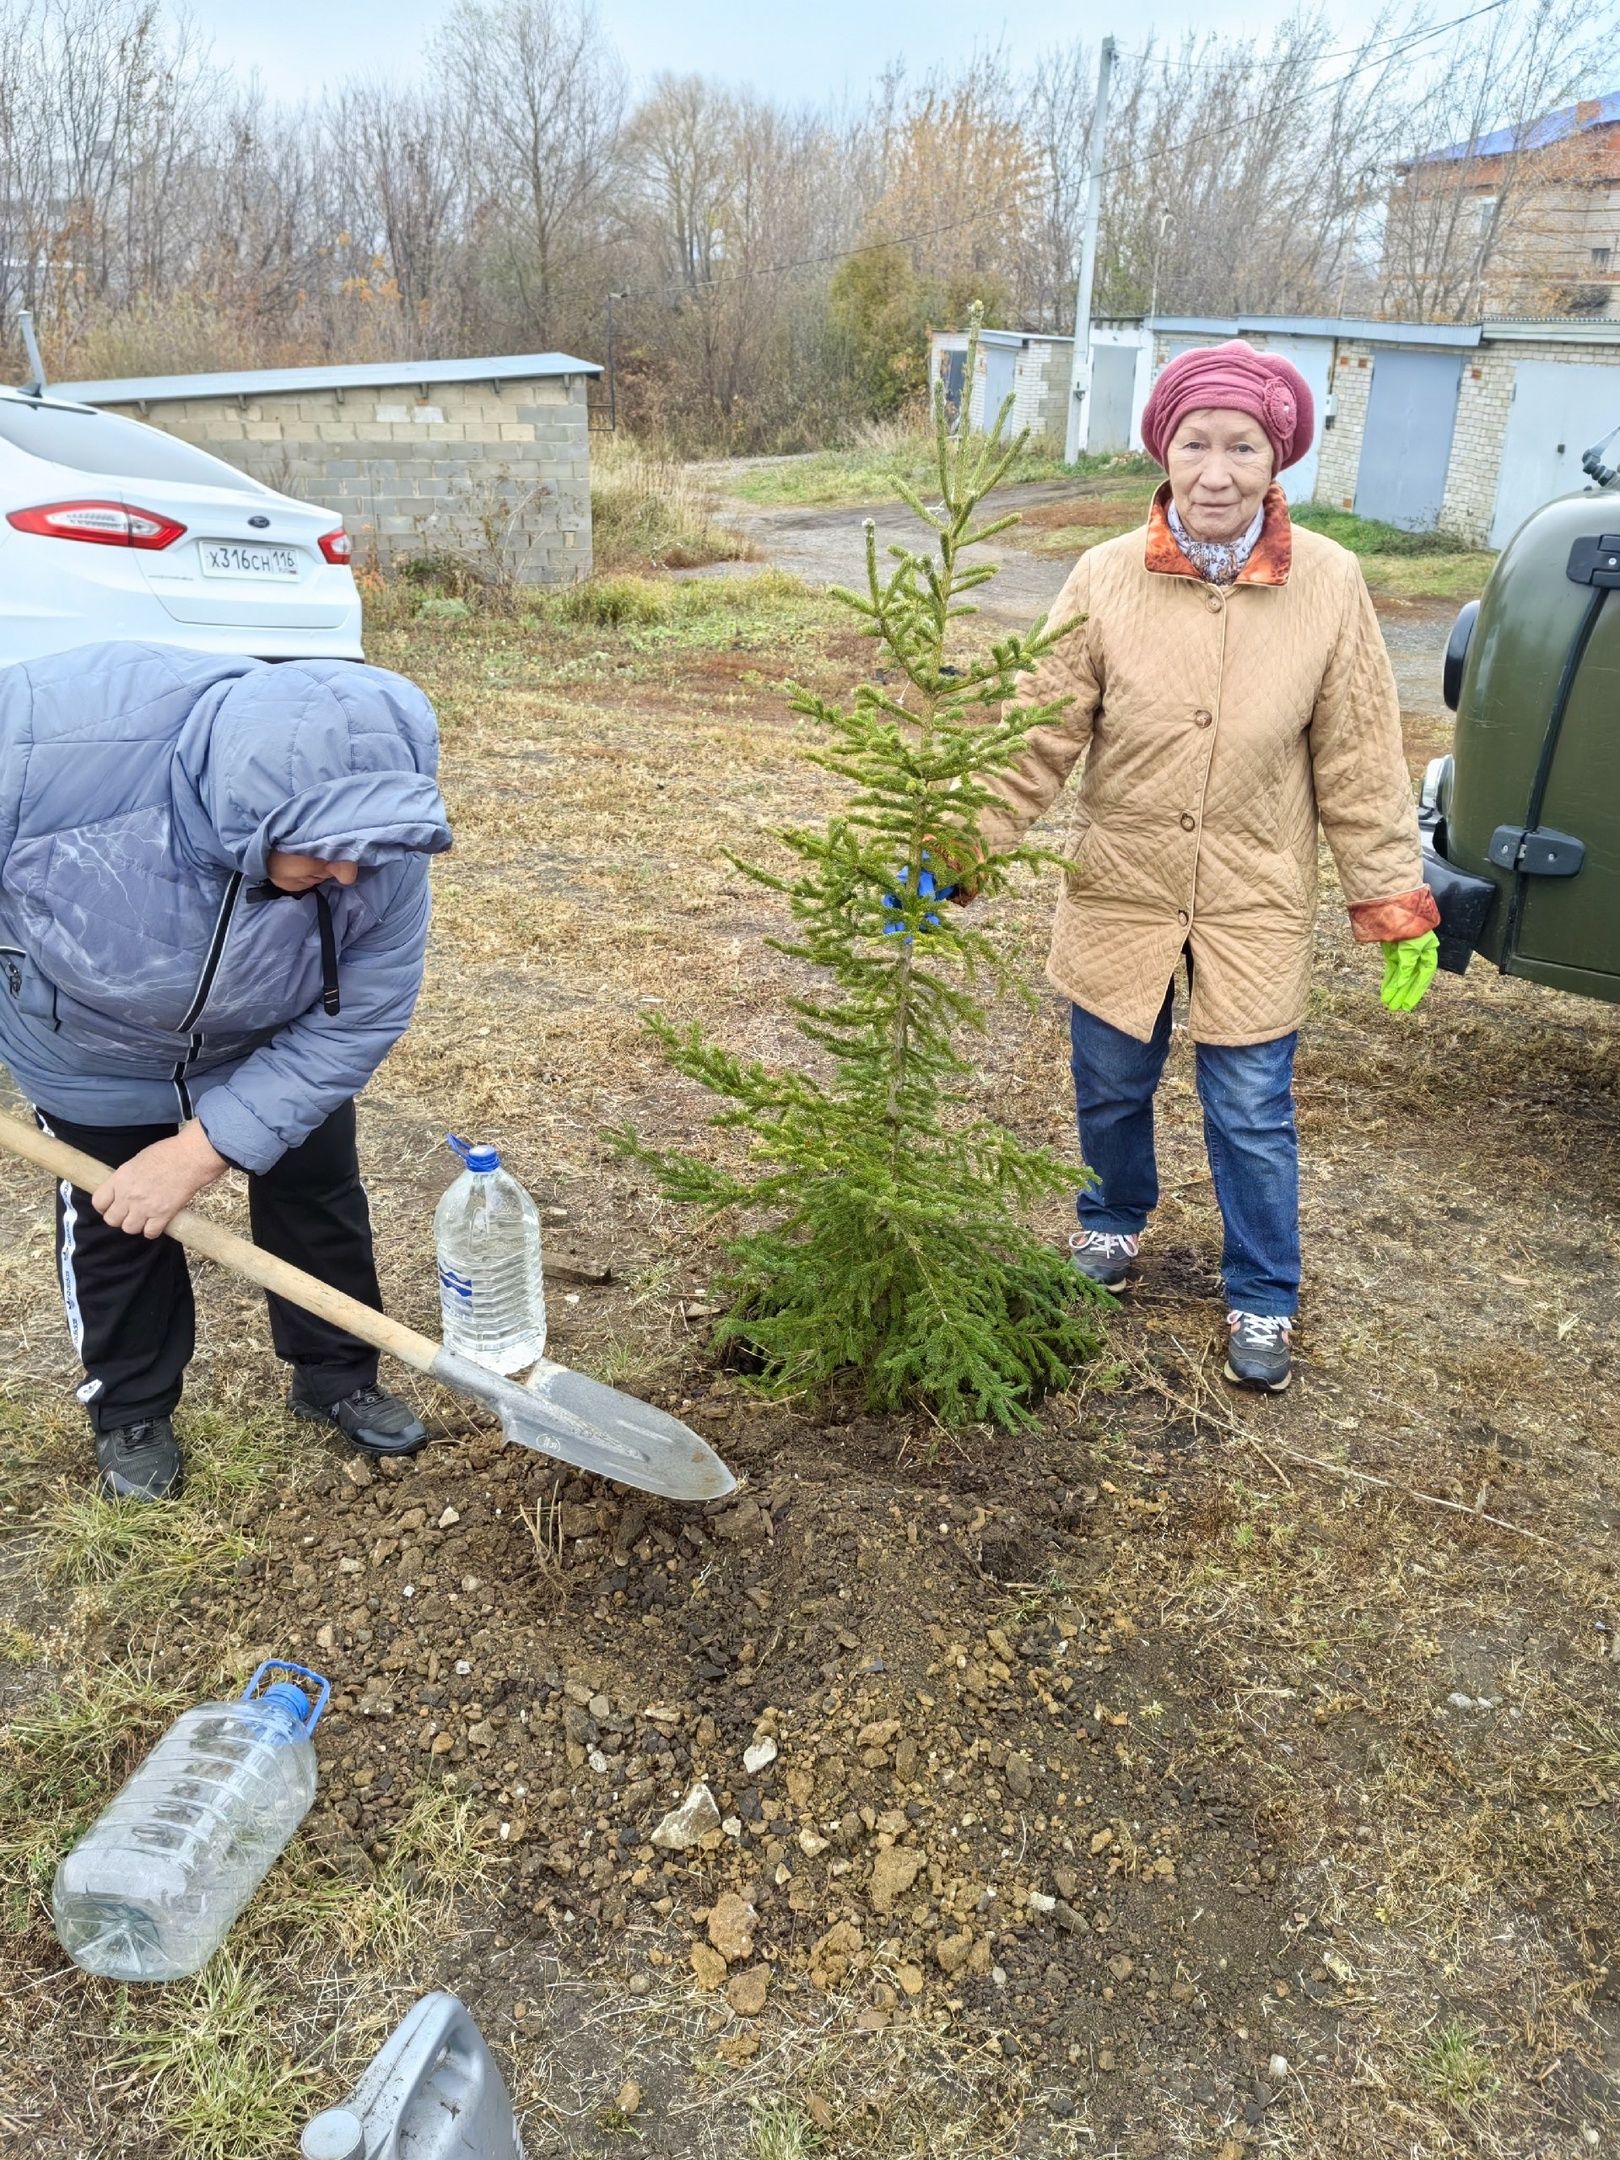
(128, 1299)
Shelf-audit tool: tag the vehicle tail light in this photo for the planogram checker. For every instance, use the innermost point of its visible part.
(103, 524)
(337, 547)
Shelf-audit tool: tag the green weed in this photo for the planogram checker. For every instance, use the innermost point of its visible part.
(653, 512)
(1429, 564)
(1457, 2069)
(215, 2073)
(667, 616)
(1371, 536)
(149, 1555)
(610, 603)
(782, 2131)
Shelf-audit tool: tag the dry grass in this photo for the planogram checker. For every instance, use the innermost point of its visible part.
(1432, 1885)
(653, 513)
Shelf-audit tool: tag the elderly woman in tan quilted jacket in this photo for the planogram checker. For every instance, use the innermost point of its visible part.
(1228, 689)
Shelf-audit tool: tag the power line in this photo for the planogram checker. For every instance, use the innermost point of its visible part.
(1316, 90)
(1344, 52)
(1408, 42)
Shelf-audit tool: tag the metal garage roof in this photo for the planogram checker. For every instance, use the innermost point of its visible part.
(372, 375)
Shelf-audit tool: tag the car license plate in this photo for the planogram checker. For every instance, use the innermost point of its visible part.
(247, 559)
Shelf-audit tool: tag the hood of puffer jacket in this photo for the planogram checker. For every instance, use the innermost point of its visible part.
(318, 757)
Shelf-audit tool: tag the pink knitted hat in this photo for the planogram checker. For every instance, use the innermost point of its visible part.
(1239, 379)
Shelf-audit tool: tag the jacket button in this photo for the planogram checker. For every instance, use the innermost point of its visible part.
(1214, 603)
(1182, 917)
(1202, 718)
(1188, 822)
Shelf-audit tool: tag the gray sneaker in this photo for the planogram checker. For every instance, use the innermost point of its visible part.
(1257, 1353)
(1105, 1256)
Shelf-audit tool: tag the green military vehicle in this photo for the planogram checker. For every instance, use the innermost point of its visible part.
(1522, 820)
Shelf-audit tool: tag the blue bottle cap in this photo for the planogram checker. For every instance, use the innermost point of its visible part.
(289, 1698)
(286, 1696)
(476, 1158)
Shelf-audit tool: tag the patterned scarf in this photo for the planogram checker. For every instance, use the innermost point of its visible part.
(1217, 561)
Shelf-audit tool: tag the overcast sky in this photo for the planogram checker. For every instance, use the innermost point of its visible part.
(793, 50)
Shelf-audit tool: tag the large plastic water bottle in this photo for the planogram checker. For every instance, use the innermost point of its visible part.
(151, 1889)
(491, 1292)
(432, 2092)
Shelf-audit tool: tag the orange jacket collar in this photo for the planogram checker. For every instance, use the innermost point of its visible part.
(1268, 564)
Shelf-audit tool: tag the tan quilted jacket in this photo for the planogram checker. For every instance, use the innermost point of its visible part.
(1217, 727)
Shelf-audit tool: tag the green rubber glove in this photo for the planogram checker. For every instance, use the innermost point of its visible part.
(1408, 971)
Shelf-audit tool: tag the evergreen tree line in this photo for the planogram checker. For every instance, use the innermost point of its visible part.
(780, 264)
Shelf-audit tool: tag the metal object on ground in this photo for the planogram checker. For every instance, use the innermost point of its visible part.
(559, 1413)
(431, 2092)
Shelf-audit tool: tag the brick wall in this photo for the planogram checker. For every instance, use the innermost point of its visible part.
(1338, 460)
(1041, 388)
(411, 473)
(1483, 400)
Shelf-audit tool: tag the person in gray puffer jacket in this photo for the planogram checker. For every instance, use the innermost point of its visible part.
(213, 919)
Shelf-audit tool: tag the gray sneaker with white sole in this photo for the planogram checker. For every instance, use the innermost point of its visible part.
(1104, 1256)
(1257, 1352)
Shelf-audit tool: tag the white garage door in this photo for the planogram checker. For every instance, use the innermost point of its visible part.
(1313, 356)
(1559, 409)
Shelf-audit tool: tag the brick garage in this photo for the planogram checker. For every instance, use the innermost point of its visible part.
(1491, 382)
(416, 457)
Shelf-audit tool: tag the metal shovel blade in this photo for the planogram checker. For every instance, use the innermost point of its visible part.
(594, 1427)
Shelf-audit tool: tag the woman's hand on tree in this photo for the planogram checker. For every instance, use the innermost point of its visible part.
(145, 1194)
(1409, 966)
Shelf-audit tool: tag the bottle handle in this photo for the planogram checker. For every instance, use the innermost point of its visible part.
(323, 1687)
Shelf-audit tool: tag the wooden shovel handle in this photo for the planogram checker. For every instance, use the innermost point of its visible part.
(197, 1234)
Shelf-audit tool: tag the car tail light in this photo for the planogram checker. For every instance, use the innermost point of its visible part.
(103, 524)
(337, 547)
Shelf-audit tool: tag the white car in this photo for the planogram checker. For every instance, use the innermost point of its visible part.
(109, 529)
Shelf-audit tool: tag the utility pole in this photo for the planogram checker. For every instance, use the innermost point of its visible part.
(1167, 217)
(1096, 141)
(612, 362)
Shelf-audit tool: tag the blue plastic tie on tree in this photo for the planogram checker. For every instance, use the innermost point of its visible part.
(926, 890)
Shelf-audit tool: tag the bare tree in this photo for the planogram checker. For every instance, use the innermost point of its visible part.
(406, 171)
(778, 268)
(541, 97)
(1057, 127)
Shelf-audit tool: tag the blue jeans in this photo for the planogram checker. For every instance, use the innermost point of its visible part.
(1248, 1102)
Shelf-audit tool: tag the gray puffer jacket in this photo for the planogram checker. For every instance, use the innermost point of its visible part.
(147, 968)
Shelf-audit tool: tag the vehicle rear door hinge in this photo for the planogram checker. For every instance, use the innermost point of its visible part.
(1595, 560)
(1538, 853)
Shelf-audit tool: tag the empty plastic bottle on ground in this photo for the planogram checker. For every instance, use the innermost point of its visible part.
(432, 2092)
(491, 1291)
(151, 1889)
